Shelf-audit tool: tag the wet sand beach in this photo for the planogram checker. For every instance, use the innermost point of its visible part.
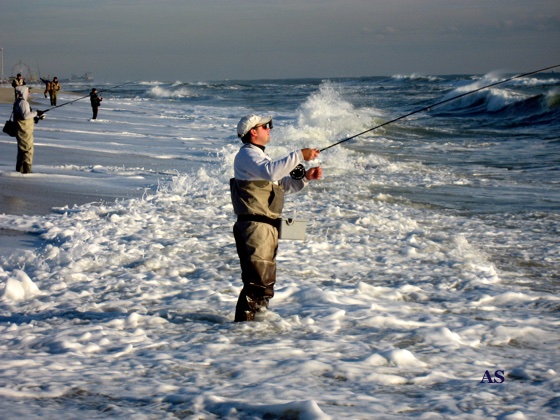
(33, 194)
(26, 194)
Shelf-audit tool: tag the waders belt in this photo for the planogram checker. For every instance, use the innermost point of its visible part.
(258, 218)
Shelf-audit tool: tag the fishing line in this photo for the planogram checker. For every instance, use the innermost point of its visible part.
(299, 171)
(83, 97)
(439, 103)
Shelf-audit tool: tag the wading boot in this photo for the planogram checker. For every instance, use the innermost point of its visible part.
(244, 316)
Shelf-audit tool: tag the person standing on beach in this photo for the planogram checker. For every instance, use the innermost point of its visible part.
(52, 89)
(257, 195)
(25, 118)
(18, 81)
(95, 100)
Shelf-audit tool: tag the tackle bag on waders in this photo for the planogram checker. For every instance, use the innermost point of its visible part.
(10, 128)
(292, 230)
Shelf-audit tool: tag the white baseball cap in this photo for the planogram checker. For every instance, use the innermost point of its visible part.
(250, 121)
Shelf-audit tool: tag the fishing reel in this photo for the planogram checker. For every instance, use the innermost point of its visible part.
(40, 116)
(298, 172)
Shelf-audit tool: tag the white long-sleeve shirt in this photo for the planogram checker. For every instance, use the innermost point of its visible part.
(253, 164)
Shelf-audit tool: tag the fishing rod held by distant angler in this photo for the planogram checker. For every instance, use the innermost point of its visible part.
(83, 97)
(440, 103)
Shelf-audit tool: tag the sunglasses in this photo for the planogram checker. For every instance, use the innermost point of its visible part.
(265, 126)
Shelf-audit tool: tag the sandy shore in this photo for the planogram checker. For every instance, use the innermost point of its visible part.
(30, 195)
(7, 93)
(17, 197)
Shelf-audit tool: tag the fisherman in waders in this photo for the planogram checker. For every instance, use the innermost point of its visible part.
(18, 81)
(26, 119)
(257, 194)
(95, 100)
(52, 89)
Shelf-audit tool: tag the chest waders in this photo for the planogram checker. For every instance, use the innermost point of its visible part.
(25, 146)
(258, 206)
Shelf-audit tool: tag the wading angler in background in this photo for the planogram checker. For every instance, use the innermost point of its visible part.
(257, 194)
(95, 101)
(25, 118)
(52, 89)
(18, 81)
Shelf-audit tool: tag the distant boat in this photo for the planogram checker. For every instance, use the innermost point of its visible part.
(86, 77)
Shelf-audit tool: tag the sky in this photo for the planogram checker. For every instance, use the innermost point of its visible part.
(201, 40)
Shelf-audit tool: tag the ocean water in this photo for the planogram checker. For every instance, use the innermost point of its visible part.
(427, 286)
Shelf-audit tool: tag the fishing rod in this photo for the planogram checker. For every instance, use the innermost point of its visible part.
(299, 171)
(439, 103)
(83, 97)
